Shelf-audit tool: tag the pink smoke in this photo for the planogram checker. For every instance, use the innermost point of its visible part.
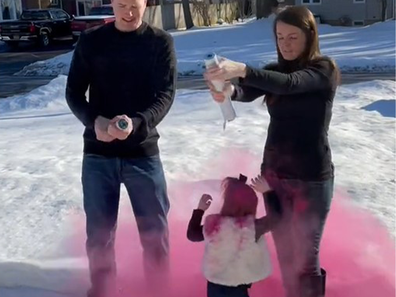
(357, 251)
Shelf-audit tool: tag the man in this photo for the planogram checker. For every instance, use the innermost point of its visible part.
(130, 69)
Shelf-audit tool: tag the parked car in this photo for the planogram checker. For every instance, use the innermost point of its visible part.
(37, 25)
(97, 16)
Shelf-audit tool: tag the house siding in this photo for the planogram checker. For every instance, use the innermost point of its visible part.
(333, 10)
(330, 11)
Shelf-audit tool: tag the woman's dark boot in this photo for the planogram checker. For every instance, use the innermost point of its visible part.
(313, 286)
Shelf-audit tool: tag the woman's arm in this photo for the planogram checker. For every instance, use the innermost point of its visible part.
(317, 76)
(246, 94)
(243, 93)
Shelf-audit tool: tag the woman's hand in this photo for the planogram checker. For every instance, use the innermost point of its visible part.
(220, 96)
(225, 71)
(205, 202)
(260, 184)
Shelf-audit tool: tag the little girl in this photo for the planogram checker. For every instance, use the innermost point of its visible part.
(236, 253)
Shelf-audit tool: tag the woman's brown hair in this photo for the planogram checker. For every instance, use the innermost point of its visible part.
(302, 18)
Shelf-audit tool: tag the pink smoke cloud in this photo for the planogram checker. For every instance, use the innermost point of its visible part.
(357, 251)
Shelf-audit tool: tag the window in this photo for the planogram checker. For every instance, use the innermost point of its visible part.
(358, 23)
(59, 14)
(311, 2)
(34, 15)
(101, 10)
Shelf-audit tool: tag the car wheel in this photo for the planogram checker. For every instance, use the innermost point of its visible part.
(44, 39)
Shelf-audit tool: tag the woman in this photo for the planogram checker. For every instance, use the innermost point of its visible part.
(299, 92)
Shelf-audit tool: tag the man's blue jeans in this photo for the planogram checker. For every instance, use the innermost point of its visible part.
(146, 186)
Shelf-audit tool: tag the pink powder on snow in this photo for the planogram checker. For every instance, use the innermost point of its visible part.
(357, 252)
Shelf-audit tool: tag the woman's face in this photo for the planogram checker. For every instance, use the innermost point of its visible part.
(291, 40)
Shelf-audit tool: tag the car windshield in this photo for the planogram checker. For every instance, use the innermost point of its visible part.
(35, 15)
(101, 11)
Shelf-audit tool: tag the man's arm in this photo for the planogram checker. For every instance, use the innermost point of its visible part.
(77, 84)
(164, 83)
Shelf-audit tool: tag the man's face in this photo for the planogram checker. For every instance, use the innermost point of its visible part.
(128, 14)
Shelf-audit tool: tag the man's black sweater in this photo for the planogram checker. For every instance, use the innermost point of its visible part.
(131, 73)
(300, 105)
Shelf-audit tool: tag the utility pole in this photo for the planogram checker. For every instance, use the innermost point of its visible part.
(187, 14)
(394, 8)
(264, 8)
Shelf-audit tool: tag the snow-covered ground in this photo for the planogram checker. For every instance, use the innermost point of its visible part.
(370, 48)
(40, 164)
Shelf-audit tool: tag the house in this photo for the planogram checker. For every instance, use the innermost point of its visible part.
(10, 9)
(350, 12)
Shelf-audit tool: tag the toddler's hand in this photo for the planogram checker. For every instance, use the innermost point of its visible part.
(260, 184)
(205, 202)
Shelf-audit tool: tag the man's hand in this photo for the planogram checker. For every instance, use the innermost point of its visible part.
(205, 202)
(101, 127)
(118, 132)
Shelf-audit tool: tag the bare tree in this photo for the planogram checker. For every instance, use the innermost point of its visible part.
(187, 14)
(202, 9)
(227, 10)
